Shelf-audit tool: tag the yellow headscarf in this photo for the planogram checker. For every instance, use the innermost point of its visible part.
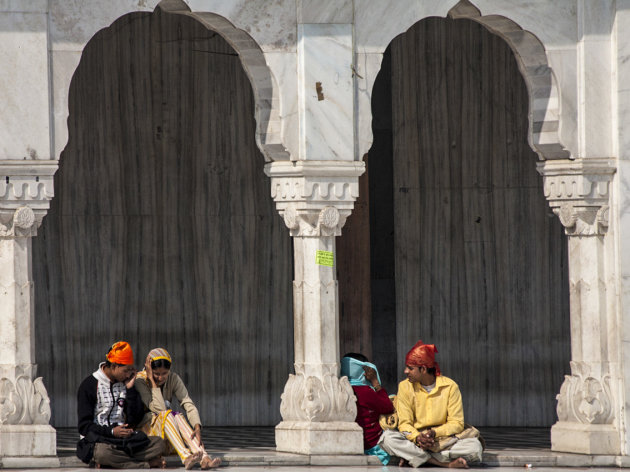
(159, 353)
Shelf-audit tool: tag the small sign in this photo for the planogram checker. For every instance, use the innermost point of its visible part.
(324, 258)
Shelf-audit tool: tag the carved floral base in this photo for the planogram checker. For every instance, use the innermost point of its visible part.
(26, 438)
(318, 416)
(585, 438)
(24, 402)
(311, 398)
(312, 437)
(586, 413)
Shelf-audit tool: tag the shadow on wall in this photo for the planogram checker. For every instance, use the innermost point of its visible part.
(162, 231)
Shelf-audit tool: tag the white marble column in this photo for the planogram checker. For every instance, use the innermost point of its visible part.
(26, 438)
(589, 406)
(318, 408)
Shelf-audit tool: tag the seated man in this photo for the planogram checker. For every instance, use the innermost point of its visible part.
(429, 408)
(372, 401)
(108, 405)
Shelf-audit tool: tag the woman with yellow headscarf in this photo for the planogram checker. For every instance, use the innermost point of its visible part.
(157, 386)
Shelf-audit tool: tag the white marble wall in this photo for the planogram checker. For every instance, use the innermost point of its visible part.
(24, 82)
(325, 92)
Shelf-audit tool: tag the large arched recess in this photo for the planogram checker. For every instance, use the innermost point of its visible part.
(464, 250)
(162, 231)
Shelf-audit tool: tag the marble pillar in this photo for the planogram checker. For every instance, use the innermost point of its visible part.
(589, 408)
(26, 438)
(318, 408)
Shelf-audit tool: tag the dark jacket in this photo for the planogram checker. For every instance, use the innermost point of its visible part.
(88, 402)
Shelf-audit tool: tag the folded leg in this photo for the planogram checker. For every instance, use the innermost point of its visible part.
(396, 444)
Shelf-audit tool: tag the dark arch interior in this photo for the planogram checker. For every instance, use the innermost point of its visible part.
(162, 231)
(464, 251)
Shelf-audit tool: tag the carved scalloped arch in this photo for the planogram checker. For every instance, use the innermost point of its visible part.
(544, 99)
(264, 85)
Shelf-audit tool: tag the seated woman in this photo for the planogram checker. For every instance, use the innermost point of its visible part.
(157, 386)
(372, 401)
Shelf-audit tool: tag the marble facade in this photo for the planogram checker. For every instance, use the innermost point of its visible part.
(312, 65)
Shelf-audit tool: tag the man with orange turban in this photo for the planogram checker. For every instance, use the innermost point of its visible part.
(430, 416)
(108, 407)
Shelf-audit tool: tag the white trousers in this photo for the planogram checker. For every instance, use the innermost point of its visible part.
(395, 444)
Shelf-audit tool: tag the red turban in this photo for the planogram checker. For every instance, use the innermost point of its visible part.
(423, 355)
(120, 353)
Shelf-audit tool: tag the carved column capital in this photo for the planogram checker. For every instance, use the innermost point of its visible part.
(578, 192)
(26, 188)
(315, 197)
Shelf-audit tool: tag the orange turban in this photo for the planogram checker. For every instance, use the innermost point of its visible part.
(423, 355)
(120, 353)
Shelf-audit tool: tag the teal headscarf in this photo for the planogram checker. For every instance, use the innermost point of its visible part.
(353, 369)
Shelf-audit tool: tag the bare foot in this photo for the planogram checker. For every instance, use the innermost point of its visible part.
(158, 463)
(192, 460)
(403, 463)
(459, 463)
(208, 462)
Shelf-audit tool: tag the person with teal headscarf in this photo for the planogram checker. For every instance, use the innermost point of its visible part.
(372, 401)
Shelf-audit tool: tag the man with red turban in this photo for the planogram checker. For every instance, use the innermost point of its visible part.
(108, 407)
(430, 416)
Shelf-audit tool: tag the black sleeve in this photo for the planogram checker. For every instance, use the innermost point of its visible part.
(86, 402)
(134, 408)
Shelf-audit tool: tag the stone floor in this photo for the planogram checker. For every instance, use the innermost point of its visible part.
(252, 448)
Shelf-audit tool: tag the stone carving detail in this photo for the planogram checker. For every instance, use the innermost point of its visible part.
(329, 217)
(315, 197)
(26, 188)
(583, 398)
(22, 222)
(578, 192)
(289, 188)
(318, 399)
(290, 216)
(314, 222)
(583, 221)
(21, 189)
(23, 218)
(25, 402)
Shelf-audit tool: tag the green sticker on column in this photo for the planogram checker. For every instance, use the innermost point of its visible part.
(324, 258)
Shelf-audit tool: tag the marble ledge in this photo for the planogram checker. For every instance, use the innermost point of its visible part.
(504, 458)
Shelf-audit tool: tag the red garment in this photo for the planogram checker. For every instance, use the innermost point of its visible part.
(370, 405)
(423, 355)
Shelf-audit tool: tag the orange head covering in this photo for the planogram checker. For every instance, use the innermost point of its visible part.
(120, 353)
(423, 355)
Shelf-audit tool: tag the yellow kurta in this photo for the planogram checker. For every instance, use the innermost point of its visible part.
(441, 410)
